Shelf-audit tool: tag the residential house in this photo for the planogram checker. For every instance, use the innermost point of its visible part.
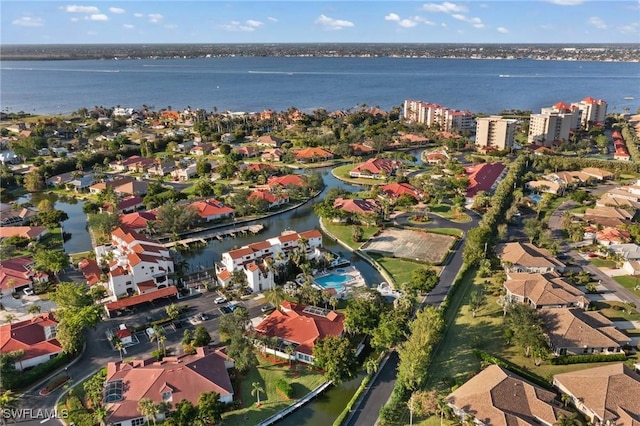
(542, 291)
(246, 151)
(212, 209)
(437, 157)
(273, 200)
(627, 203)
(525, 257)
(130, 204)
(29, 232)
(201, 149)
(135, 164)
(301, 327)
(376, 168)
(483, 177)
(621, 152)
(161, 168)
(608, 236)
(628, 251)
(184, 173)
(138, 221)
(36, 337)
(175, 378)
(90, 270)
(272, 155)
(608, 216)
(498, 397)
(270, 140)
(256, 259)
(277, 182)
(393, 191)
(606, 395)
(312, 155)
(361, 149)
(97, 188)
(413, 139)
(10, 216)
(137, 264)
(569, 178)
(136, 187)
(17, 274)
(598, 174)
(576, 332)
(9, 157)
(544, 186)
(359, 208)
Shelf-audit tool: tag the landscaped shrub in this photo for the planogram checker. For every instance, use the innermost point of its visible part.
(78, 414)
(581, 359)
(284, 387)
(21, 379)
(56, 381)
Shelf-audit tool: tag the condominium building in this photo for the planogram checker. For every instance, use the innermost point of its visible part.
(569, 112)
(495, 132)
(546, 128)
(591, 111)
(446, 119)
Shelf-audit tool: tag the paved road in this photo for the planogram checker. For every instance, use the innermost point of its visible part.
(366, 414)
(99, 351)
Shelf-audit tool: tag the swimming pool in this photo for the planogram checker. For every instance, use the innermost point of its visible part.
(336, 281)
(536, 198)
(341, 271)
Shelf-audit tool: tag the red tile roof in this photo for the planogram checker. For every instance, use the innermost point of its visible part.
(286, 180)
(130, 202)
(90, 270)
(29, 232)
(309, 153)
(395, 190)
(15, 272)
(142, 298)
(211, 207)
(137, 220)
(376, 166)
(267, 196)
(482, 177)
(296, 325)
(357, 205)
(29, 336)
(186, 376)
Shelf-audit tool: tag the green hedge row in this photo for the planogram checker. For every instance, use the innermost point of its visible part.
(484, 356)
(77, 413)
(343, 416)
(581, 359)
(284, 387)
(21, 379)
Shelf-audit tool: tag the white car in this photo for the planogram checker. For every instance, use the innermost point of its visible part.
(28, 291)
(220, 300)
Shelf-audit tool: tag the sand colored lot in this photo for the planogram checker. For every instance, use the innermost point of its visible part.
(409, 244)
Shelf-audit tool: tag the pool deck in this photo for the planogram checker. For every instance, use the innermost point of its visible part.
(355, 280)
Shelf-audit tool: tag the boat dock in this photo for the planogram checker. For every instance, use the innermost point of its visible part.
(218, 235)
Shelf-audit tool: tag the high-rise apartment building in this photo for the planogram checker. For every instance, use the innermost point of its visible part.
(591, 111)
(445, 119)
(495, 132)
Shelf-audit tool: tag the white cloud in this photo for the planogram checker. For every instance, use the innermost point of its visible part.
(128, 26)
(253, 23)
(446, 7)
(155, 18)
(138, 15)
(98, 17)
(407, 23)
(81, 9)
(629, 29)
(27, 21)
(566, 2)
(597, 22)
(333, 24)
(117, 10)
(272, 19)
(392, 17)
(423, 20)
(249, 25)
(476, 22)
(503, 30)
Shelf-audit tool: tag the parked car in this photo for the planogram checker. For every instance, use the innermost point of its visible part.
(220, 300)
(267, 308)
(28, 291)
(225, 310)
(202, 316)
(234, 307)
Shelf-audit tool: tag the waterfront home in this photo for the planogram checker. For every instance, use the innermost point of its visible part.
(97, 188)
(312, 155)
(137, 221)
(272, 200)
(572, 331)
(272, 155)
(212, 209)
(543, 291)
(376, 168)
(359, 149)
(299, 326)
(393, 191)
(498, 397)
(75, 180)
(36, 337)
(359, 208)
(547, 186)
(17, 274)
(174, 379)
(525, 257)
(606, 395)
(91, 271)
(137, 264)
(28, 232)
(10, 216)
(270, 140)
(256, 259)
(437, 157)
(277, 182)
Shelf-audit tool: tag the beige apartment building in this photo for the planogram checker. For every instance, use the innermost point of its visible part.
(546, 128)
(495, 132)
(591, 111)
(446, 119)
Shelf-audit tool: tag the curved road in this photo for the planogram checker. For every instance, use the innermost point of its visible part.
(379, 392)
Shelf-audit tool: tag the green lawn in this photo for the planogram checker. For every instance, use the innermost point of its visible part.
(400, 270)
(602, 263)
(446, 211)
(343, 233)
(629, 282)
(616, 311)
(446, 231)
(302, 379)
(342, 172)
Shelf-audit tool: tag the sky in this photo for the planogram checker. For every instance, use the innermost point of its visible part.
(302, 21)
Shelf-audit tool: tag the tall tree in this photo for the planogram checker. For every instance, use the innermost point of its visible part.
(210, 408)
(336, 357)
(149, 409)
(256, 390)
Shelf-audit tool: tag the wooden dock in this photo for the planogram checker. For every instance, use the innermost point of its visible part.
(218, 235)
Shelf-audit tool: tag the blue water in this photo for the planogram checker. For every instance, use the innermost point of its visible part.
(332, 281)
(536, 198)
(257, 83)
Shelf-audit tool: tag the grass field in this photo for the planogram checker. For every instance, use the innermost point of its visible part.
(446, 211)
(400, 270)
(302, 379)
(342, 173)
(616, 311)
(343, 233)
(629, 282)
(602, 263)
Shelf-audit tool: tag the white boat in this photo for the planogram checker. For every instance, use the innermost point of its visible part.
(628, 98)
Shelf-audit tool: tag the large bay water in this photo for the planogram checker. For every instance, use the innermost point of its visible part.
(257, 83)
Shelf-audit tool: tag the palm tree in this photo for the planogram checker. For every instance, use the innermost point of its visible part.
(159, 336)
(275, 296)
(570, 420)
(8, 401)
(256, 389)
(565, 398)
(333, 301)
(9, 318)
(290, 350)
(118, 345)
(371, 365)
(273, 342)
(100, 415)
(34, 309)
(148, 408)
